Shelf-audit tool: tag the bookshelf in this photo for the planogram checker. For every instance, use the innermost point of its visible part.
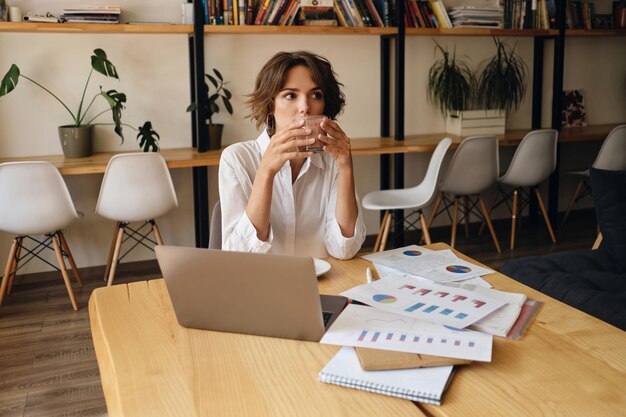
(389, 36)
(127, 28)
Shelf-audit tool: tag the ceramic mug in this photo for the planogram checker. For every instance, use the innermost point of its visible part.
(15, 14)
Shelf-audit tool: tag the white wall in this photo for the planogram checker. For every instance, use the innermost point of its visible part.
(154, 74)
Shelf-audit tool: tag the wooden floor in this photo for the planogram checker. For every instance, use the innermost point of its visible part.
(47, 361)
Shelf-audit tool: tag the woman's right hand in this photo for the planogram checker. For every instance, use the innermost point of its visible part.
(284, 147)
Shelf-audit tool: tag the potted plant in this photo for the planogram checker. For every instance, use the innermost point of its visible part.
(76, 138)
(212, 107)
(477, 104)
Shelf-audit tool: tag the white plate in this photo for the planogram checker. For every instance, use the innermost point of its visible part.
(321, 267)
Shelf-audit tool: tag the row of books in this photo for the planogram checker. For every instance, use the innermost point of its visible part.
(351, 13)
(529, 14)
(426, 14)
(510, 14)
(91, 14)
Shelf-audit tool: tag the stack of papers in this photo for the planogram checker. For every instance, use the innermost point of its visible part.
(425, 303)
(438, 266)
(92, 14)
(477, 17)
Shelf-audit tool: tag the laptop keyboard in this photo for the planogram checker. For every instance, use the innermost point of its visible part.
(326, 315)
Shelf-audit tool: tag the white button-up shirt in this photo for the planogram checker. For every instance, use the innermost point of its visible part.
(302, 216)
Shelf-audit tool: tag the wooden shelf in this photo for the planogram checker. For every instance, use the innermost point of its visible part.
(594, 32)
(139, 28)
(479, 32)
(97, 163)
(164, 28)
(587, 133)
(299, 30)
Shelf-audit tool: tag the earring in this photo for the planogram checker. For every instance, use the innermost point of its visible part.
(271, 124)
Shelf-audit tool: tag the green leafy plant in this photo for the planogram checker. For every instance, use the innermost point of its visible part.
(500, 85)
(114, 99)
(212, 107)
(450, 83)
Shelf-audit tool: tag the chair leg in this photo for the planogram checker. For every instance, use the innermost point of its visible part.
(7, 269)
(16, 259)
(489, 224)
(66, 277)
(111, 250)
(545, 215)
(573, 200)
(380, 231)
(436, 207)
(598, 241)
(425, 228)
(70, 258)
(491, 203)
(156, 232)
(116, 254)
(466, 218)
(455, 219)
(383, 242)
(513, 219)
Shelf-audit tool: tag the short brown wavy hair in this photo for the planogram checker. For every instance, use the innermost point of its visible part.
(271, 80)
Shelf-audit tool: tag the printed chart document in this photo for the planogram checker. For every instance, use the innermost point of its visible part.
(419, 384)
(500, 322)
(361, 326)
(425, 300)
(432, 265)
(387, 272)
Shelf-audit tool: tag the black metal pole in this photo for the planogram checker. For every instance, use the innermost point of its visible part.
(538, 49)
(557, 93)
(199, 129)
(398, 159)
(385, 109)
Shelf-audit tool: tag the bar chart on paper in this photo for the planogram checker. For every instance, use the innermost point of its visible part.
(425, 300)
(362, 326)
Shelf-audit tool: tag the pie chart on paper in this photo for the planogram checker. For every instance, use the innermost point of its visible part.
(458, 269)
(412, 253)
(384, 298)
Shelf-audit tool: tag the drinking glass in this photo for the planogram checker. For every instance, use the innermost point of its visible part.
(313, 123)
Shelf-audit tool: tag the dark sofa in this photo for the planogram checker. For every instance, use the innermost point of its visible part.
(593, 281)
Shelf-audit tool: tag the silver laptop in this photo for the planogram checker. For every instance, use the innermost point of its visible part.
(251, 293)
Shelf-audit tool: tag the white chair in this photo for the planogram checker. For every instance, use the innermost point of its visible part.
(136, 187)
(415, 198)
(215, 234)
(533, 162)
(34, 200)
(473, 168)
(612, 157)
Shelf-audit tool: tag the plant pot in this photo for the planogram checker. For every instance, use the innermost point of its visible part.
(476, 122)
(76, 142)
(215, 136)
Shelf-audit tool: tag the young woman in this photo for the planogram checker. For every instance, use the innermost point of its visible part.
(277, 199)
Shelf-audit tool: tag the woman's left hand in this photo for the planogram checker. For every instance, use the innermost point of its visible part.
(336, 143)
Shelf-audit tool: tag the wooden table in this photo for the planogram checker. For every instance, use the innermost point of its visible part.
(568, 364)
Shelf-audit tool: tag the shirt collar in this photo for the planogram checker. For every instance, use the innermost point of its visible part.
(264, 141)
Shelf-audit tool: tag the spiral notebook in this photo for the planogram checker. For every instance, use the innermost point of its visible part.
(425, 385)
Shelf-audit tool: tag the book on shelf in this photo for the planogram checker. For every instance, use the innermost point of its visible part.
(316, 13)
(420, 384)
(443, 20)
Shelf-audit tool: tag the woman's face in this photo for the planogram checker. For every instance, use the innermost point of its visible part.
(300, 96)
